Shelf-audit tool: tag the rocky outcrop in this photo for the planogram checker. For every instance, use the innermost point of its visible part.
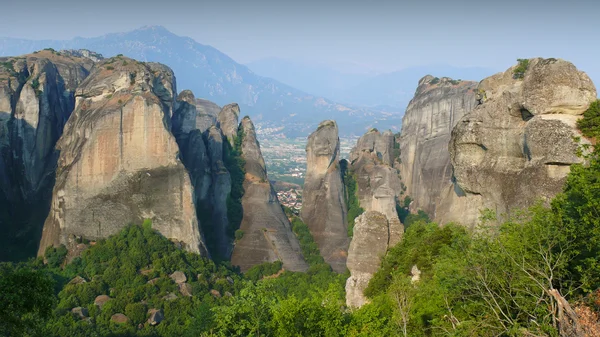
(324, 209)
(379, 228)
(37, 96)
(369, 243)
(516, 147)
(227, 121)
(119, 162)
(201, 144)
(431, 115)
(267, 232)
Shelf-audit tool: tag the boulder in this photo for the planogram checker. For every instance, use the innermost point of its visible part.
(170, 297)
(80, 312)
(156, 316)
(101, 300)
(215, 293)
(119, 318)
(77, 280)
(178, 277)
(186, 289)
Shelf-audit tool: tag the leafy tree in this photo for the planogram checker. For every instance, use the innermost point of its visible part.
(589, 125)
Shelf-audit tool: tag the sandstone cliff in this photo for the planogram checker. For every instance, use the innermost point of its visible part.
(379, 228)
(36, 99)
(431, 115)
(267, 233)
(516, 147)
(119, 162)
(324, 209)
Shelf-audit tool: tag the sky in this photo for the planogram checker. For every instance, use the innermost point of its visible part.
(354, 36)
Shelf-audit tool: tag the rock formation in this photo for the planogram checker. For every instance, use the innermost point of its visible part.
(431, 115)
(324, 209)
(379, 228)
(37, 96)
(228, 121)
(369, 244)
(516, 147)
(267, 232)
(201, 144)
(119, 162)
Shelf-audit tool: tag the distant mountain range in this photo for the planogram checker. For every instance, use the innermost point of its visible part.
(212, 75)
(392, 90)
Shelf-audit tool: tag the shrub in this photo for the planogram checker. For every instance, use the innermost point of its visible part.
(519, 72)
(589, 125)
(239, 234)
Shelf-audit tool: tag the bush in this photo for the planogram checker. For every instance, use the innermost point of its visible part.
(239, 234)
(519, 71)
(589, 125)
(352, 203)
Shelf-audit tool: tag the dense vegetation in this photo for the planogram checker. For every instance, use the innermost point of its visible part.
(351, 197)
(590, 124)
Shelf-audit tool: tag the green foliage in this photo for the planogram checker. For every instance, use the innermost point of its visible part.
(132, 77)
(235, 165)
(55, 256)
(26, 299)
(589, 125)
(261, 270)
(239, 234)
(9, 66)
(435, 80)
(309, 247)
(110, 68)
(351, 198)
(519, 71)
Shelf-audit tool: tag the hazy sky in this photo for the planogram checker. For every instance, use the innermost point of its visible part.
(381, 35)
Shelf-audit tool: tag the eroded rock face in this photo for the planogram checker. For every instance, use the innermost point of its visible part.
(369, 243)
(37, 96)
(267, 232)
(119, 161)
(201, 147)
(379, 228)
(426, 127)
(517, 146)
(227, 121)
(324, 208)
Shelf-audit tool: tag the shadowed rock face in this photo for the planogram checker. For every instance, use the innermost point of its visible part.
(37, 96)
(268, 235)
(517, 146)
(426, 127)
(379, 228)
(324, 209)
(119, 161)
(202, 154)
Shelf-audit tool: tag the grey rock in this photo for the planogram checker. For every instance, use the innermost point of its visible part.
(324, 208)
(101, 300)
(178, 277)
(156, 316)
(369, 243)
(268, 235)
(119, 318)
(227, 121)
(516, 147)
(186, 289)
(426, 128)
(80, 312)
(119, 160)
